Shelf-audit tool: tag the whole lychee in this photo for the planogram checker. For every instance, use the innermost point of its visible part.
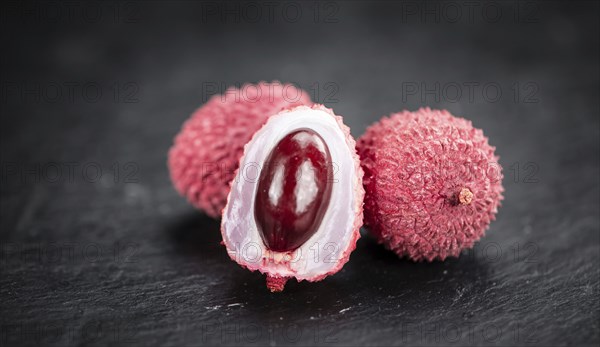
(295, 206)
(207, 150)
(433, 183)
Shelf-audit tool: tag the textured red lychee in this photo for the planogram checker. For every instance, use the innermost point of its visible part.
(295, 206)
(433, 183)
(207, 150)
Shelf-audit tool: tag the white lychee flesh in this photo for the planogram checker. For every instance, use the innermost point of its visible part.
(328, 249)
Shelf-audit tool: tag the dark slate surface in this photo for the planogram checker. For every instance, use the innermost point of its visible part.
(121, 259)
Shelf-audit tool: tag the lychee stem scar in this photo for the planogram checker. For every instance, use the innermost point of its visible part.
(276, 284)
(465, 196)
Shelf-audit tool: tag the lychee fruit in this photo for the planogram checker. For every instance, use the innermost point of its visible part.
(295, 205)
(207, 150)
(433, 183)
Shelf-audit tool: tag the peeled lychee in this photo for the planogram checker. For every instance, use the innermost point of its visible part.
(207, 150)
(433, 183)
(295, 205)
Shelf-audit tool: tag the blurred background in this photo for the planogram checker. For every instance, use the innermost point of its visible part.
(98, 248)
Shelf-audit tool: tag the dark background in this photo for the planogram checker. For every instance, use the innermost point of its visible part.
(119, 258)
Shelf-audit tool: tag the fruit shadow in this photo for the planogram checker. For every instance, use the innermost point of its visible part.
(374, 277)
(391, 273)
(196, 235)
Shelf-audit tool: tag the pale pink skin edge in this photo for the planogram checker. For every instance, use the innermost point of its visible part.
(276, 283)
(210, 196)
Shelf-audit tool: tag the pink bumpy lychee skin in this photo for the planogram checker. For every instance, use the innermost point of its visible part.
(432, 182)
(207, 150)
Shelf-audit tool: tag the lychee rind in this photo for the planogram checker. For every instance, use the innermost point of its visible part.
(275, 280)
(207, 150)
(276, 284)
(433, 183)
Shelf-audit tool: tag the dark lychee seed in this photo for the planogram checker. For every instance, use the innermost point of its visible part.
(293, 190)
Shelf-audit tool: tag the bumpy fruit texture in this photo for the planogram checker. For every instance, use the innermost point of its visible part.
(433, 183)
(207, 150)
(294, 190)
